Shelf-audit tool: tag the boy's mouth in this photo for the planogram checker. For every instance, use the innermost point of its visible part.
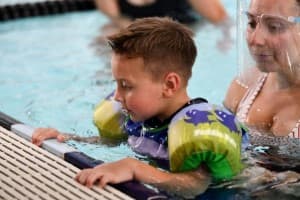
(125, 111)
(128, 113)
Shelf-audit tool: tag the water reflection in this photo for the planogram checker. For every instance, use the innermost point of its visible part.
(272, 169)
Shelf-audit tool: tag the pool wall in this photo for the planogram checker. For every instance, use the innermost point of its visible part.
(64, 151)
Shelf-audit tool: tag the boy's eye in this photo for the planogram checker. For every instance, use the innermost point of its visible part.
(125, 85)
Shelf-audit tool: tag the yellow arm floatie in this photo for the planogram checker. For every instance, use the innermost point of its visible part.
(205, 134)
(109, 119)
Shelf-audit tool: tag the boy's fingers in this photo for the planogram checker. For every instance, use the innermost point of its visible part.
(88, 177)
(50, 133)
(61, 138)
(36, 137)
(103, 182)
(38, 142)
(82, 176)
(35, 134)
(93, 178)
(78, 177)
(41, 134)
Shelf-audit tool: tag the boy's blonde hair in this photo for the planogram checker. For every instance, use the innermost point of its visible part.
(165, 46)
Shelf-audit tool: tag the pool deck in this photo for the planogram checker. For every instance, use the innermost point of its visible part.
(30, 172)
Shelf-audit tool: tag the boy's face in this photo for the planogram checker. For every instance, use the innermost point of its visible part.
(139, 94)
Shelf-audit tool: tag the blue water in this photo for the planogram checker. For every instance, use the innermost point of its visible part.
(51, 76)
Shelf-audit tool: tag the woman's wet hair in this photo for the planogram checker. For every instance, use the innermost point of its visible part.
(165, 45)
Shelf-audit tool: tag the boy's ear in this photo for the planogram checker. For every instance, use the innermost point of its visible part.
(172, 82)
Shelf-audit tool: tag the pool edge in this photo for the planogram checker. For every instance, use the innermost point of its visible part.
(77, 158)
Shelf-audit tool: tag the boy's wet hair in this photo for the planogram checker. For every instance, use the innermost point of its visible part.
(165, 45)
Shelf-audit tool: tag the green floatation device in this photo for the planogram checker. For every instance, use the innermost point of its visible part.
(206, 134)
(109, 119)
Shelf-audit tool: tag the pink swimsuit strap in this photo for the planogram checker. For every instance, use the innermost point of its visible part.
(249, 97)
(295, 133)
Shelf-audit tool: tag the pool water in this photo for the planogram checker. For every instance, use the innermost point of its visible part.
(52, 76)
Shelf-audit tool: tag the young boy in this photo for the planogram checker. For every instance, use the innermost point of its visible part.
(152, 62)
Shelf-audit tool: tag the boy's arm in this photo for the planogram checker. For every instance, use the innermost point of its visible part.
(41, 134)
(193, 182)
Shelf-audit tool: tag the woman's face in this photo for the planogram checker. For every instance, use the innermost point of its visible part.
(274, 40)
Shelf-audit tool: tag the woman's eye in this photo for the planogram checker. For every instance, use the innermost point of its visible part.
(276, 27)
(252, 24)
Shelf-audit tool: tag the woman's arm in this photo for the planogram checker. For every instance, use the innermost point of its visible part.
(212, 10)
(111, 9)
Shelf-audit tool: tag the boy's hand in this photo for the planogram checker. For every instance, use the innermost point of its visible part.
(41, 134)
(115, 172)
(189, 183)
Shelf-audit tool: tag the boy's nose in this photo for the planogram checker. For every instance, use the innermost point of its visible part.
(117, 96)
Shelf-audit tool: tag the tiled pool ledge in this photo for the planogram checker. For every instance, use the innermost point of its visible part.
(29, 172)
(26, 167)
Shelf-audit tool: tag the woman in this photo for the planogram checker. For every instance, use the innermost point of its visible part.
(266, 97)
(121, 12)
